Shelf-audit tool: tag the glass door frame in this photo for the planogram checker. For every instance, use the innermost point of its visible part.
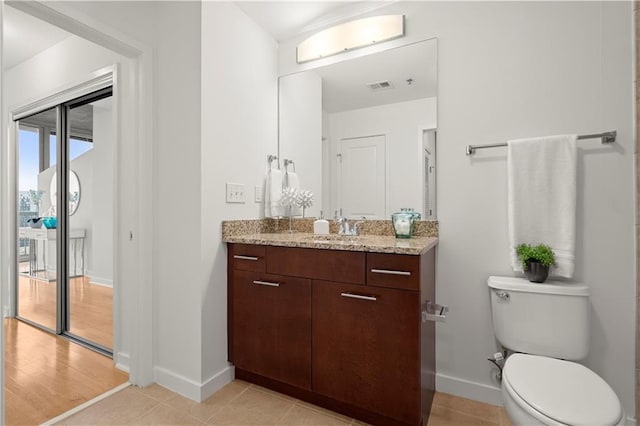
(63, 168)
(92, 93)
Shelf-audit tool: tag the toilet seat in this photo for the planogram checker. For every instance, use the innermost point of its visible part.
(560, 391)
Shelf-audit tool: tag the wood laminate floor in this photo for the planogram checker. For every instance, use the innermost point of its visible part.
(47, 375)
(242, 403)
(91, 310)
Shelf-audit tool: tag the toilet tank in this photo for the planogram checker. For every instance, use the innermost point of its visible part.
(550, 319)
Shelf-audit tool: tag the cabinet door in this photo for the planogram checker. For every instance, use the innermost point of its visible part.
(366, 348)
(272, 326)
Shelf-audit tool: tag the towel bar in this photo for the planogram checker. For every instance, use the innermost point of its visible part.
(606, 137)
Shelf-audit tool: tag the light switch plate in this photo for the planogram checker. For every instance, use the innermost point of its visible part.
(258, 194)
(235, 193)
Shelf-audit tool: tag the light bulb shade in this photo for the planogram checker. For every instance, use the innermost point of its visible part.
(351, 35)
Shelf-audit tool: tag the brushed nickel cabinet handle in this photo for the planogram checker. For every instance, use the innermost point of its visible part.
(267, 283)
(390, 272)
(359, 296)
(237, 256)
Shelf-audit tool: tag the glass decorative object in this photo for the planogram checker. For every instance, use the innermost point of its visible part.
(403, 222)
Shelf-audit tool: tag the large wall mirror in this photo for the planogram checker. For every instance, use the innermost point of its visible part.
(362, 132)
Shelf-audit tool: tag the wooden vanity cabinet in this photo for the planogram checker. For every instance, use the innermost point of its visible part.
(364, 348)
(350, 339)
(271, 326)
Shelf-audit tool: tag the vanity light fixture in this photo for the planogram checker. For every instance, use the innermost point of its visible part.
(350, 35)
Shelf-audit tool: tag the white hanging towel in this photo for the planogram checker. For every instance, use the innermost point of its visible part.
(272, 192)
(541, 174)
(291, 180)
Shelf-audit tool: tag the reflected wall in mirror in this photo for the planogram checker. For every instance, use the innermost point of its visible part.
(372, 121)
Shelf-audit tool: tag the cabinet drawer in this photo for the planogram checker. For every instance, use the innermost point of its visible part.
(247, 257)
(393, 271)
(332, 265)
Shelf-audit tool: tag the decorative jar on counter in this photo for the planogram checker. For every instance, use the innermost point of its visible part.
(403, 222)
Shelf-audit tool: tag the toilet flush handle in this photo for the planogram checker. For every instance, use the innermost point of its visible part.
(502, 295)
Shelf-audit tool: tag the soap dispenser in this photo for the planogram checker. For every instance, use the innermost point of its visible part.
(321, 226)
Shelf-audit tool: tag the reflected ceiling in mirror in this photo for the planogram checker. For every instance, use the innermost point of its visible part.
(410, 72)
(372, 121)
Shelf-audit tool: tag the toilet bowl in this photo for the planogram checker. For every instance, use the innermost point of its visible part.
(547, 326)
(538, 390)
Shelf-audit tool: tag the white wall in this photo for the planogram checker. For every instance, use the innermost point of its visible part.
(402, 124)
(176, 210)
(239, 130)
(104, 138)
(26, 82)
(173, 30)
(300, 117)
(522, 69)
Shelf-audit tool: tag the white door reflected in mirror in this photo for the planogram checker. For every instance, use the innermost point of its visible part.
(362, 178)
(74, 191)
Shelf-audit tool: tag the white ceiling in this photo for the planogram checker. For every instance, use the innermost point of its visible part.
(286, 19)
(26, 36)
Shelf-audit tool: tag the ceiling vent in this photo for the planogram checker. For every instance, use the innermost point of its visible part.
(380, 85)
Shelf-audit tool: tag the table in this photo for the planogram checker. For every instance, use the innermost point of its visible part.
(38, 258)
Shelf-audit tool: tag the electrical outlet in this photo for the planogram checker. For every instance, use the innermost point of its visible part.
(235, 193)
(258, 194)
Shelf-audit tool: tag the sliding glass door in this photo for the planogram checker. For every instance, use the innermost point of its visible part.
(37, 285)
(90, 242)
(65, 248)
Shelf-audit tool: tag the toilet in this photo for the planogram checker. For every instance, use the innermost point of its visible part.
(547, 326)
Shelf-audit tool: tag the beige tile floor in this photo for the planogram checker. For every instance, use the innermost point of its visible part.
(241, 403)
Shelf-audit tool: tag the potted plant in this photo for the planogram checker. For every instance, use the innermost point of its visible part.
(536, 261)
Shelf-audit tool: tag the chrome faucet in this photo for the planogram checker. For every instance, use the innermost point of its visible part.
(343, 223)
(344, 227)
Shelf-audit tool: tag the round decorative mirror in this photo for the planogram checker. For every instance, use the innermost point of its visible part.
(74, 191)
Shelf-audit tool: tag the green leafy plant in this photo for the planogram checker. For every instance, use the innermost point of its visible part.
(541, 253)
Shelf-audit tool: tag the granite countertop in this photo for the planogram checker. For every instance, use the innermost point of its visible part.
(367, 243)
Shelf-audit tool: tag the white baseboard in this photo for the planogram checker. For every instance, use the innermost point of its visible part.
(631, 421)
(122, 361)
(105, 282)
(190, 388)
(216, 382)
(470, 390)
(177, 383)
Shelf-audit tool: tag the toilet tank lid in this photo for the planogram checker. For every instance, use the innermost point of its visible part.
(549, 287)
